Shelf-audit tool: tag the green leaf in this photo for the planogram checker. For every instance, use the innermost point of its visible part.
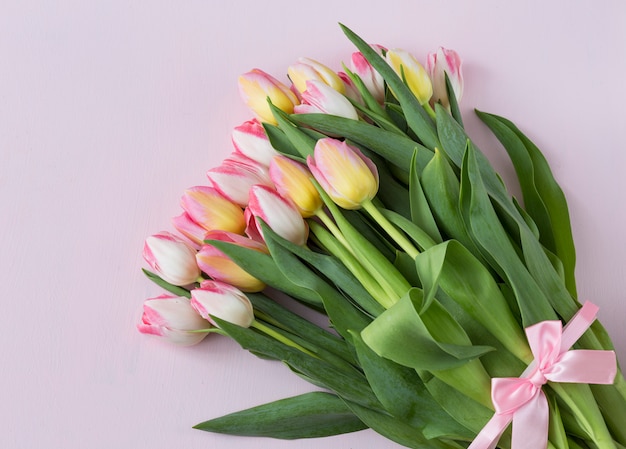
(388, 334)
(454, 105)
(303, 142)
(279, 140)
(496, 246)
(310, 415)
(351, 386)
(393, 147)
(421, 214)
(178, 291)
(403, 394)
(264, 268)
(417, 234)
(398, 430)
(548, 190)
(448, 266)
(315, 336)
(417, 118)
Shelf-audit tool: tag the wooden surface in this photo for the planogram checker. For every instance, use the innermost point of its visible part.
(108, 110)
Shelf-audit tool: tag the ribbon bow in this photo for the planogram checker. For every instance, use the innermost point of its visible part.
(520, 399)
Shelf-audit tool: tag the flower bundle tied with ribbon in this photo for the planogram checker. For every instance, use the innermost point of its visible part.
(359, 195)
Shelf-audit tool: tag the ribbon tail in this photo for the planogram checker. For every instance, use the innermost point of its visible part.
(490, 434)
(530, 424)
(585, 366)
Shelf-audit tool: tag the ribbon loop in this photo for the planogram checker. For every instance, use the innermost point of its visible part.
(521, 401)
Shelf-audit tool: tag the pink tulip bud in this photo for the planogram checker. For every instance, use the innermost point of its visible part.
(211, 210)
(346, 174)
(256, 87)
(191, 231)
(441, 62)
(250, 139)
(372, 80)
(171, 258)
(221, 268)
(223, 301)
(234, 177)
(293, 180)
(307, 69)
(280, 214)
(173, 318)
(320, 98)
(412, 72)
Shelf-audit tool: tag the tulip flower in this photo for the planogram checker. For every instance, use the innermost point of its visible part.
(412, 72)
(256, 86)
(348, 176)
(211, 210)
(320, 98)
(191, 231)
(250, 139)
(173, 318)
(280, 214)
(441, 62)
(372, 80)
(221, 268)
(293, 180)
(171, 258)
(223, 301)
(234, 177)
(307, 70)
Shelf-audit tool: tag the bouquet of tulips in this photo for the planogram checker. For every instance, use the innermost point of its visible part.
(450, 306)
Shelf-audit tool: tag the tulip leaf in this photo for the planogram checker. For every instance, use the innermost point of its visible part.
(341, 312)
(496, 245)
(310, 415)
(178, 291)
(389, 333)
(350, 386)
(298, 325)
(397, 429)
(300, 140)
(549, 192)
(403, 394)
(448, 266)
(421, 214)
(263, 267)
(454, 104)
(279, 140)
(417, 118)
(393, 147)
(417, 234)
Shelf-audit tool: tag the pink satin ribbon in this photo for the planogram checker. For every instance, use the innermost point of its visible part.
(520, 399)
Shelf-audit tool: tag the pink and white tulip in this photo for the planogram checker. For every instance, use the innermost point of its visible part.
(372, 80)
(223, 301)
(412, 72)
(211, 210)
(321, 98)
(347, 175)
(256, 86)
(191, 231)
(250, 139)
(280, 214)
(440, 62)
(221, 268)
(293, 180)
(173, 319)
(171, 258)
(307, 69)
(234, 177)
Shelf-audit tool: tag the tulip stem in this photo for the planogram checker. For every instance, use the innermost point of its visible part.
(391, 230)
(280, 337)
(430, 110)
(332, 227)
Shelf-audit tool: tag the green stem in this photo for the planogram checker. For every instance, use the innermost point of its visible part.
(332, 244)
(280, 337)
(429, 110)
(391, 230)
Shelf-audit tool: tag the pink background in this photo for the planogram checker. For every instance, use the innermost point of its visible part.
(108, 110)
